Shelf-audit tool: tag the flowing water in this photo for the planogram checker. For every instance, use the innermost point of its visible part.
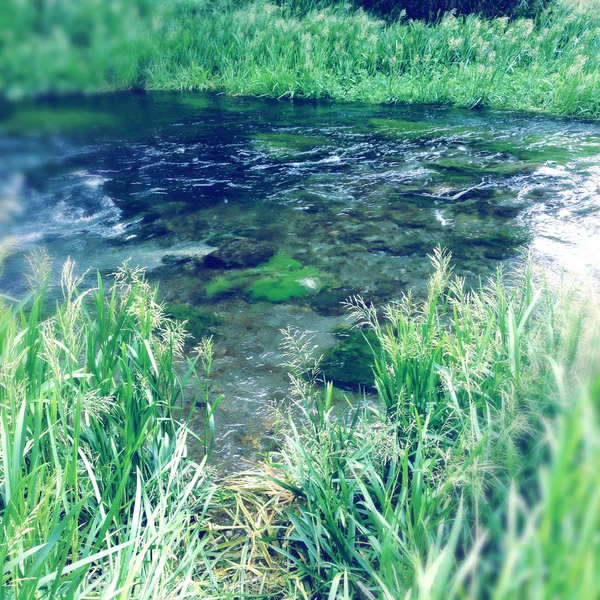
(255, 215)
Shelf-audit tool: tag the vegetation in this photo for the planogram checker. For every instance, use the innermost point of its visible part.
(278, 280)
(432, 9)
(476, 475)
(96, 495)
(258, 48)
(454, 487)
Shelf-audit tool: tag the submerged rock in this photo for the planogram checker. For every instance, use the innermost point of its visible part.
(405, 243)
(239, 253)
(330, 303)
(473, 237)
(349, 363)
(199, 324)
(193, 255)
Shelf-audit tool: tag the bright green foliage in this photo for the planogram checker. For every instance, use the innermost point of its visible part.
(223, 284)
(93, 478)
(476, 477)
(64, 46)
(279, 280)
(279, 288)
(260, 48)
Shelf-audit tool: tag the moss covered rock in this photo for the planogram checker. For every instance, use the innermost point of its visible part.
(349, 363)
(281, 279)
(238, 253)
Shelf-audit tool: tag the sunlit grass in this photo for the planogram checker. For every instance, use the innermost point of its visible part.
(263, 49)
(96, 495)
(475, 475)
(475, 478)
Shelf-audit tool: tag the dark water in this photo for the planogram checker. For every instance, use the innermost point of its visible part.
(308, 204)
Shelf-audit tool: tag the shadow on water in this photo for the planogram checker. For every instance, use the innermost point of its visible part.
(254, 215)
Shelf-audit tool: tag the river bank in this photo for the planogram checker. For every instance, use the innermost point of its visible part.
(262, 49)
(455, 486)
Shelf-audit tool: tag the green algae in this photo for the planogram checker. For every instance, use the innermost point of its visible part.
(281, 287)
(490, 169)
(330, 301)
(412, 130)
(281, 279)
(277, 289)
(282, 263)
(286, 146)
(529, 149)
(228, 283)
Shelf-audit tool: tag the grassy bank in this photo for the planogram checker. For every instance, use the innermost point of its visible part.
(475, 477)
(258, 48)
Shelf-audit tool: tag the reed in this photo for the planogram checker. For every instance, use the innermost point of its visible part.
(474, 476)
(97, 496)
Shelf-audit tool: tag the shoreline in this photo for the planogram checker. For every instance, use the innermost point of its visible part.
(547, 66)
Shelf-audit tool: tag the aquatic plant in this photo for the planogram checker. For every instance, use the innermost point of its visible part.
(281, 279)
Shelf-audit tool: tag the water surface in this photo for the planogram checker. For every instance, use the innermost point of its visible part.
(304, 204)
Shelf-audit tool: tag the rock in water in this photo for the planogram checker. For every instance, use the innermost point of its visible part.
(239, 253)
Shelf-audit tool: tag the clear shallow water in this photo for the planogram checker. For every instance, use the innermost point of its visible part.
(308, 204)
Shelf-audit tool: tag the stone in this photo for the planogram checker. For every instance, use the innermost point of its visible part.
(349, 363)
(185, 255)
(239, 253)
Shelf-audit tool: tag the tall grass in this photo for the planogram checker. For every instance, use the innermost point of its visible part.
(264, 49)
(97, 498)
(475, 477)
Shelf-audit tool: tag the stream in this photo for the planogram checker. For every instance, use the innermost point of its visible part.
(253, 215)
